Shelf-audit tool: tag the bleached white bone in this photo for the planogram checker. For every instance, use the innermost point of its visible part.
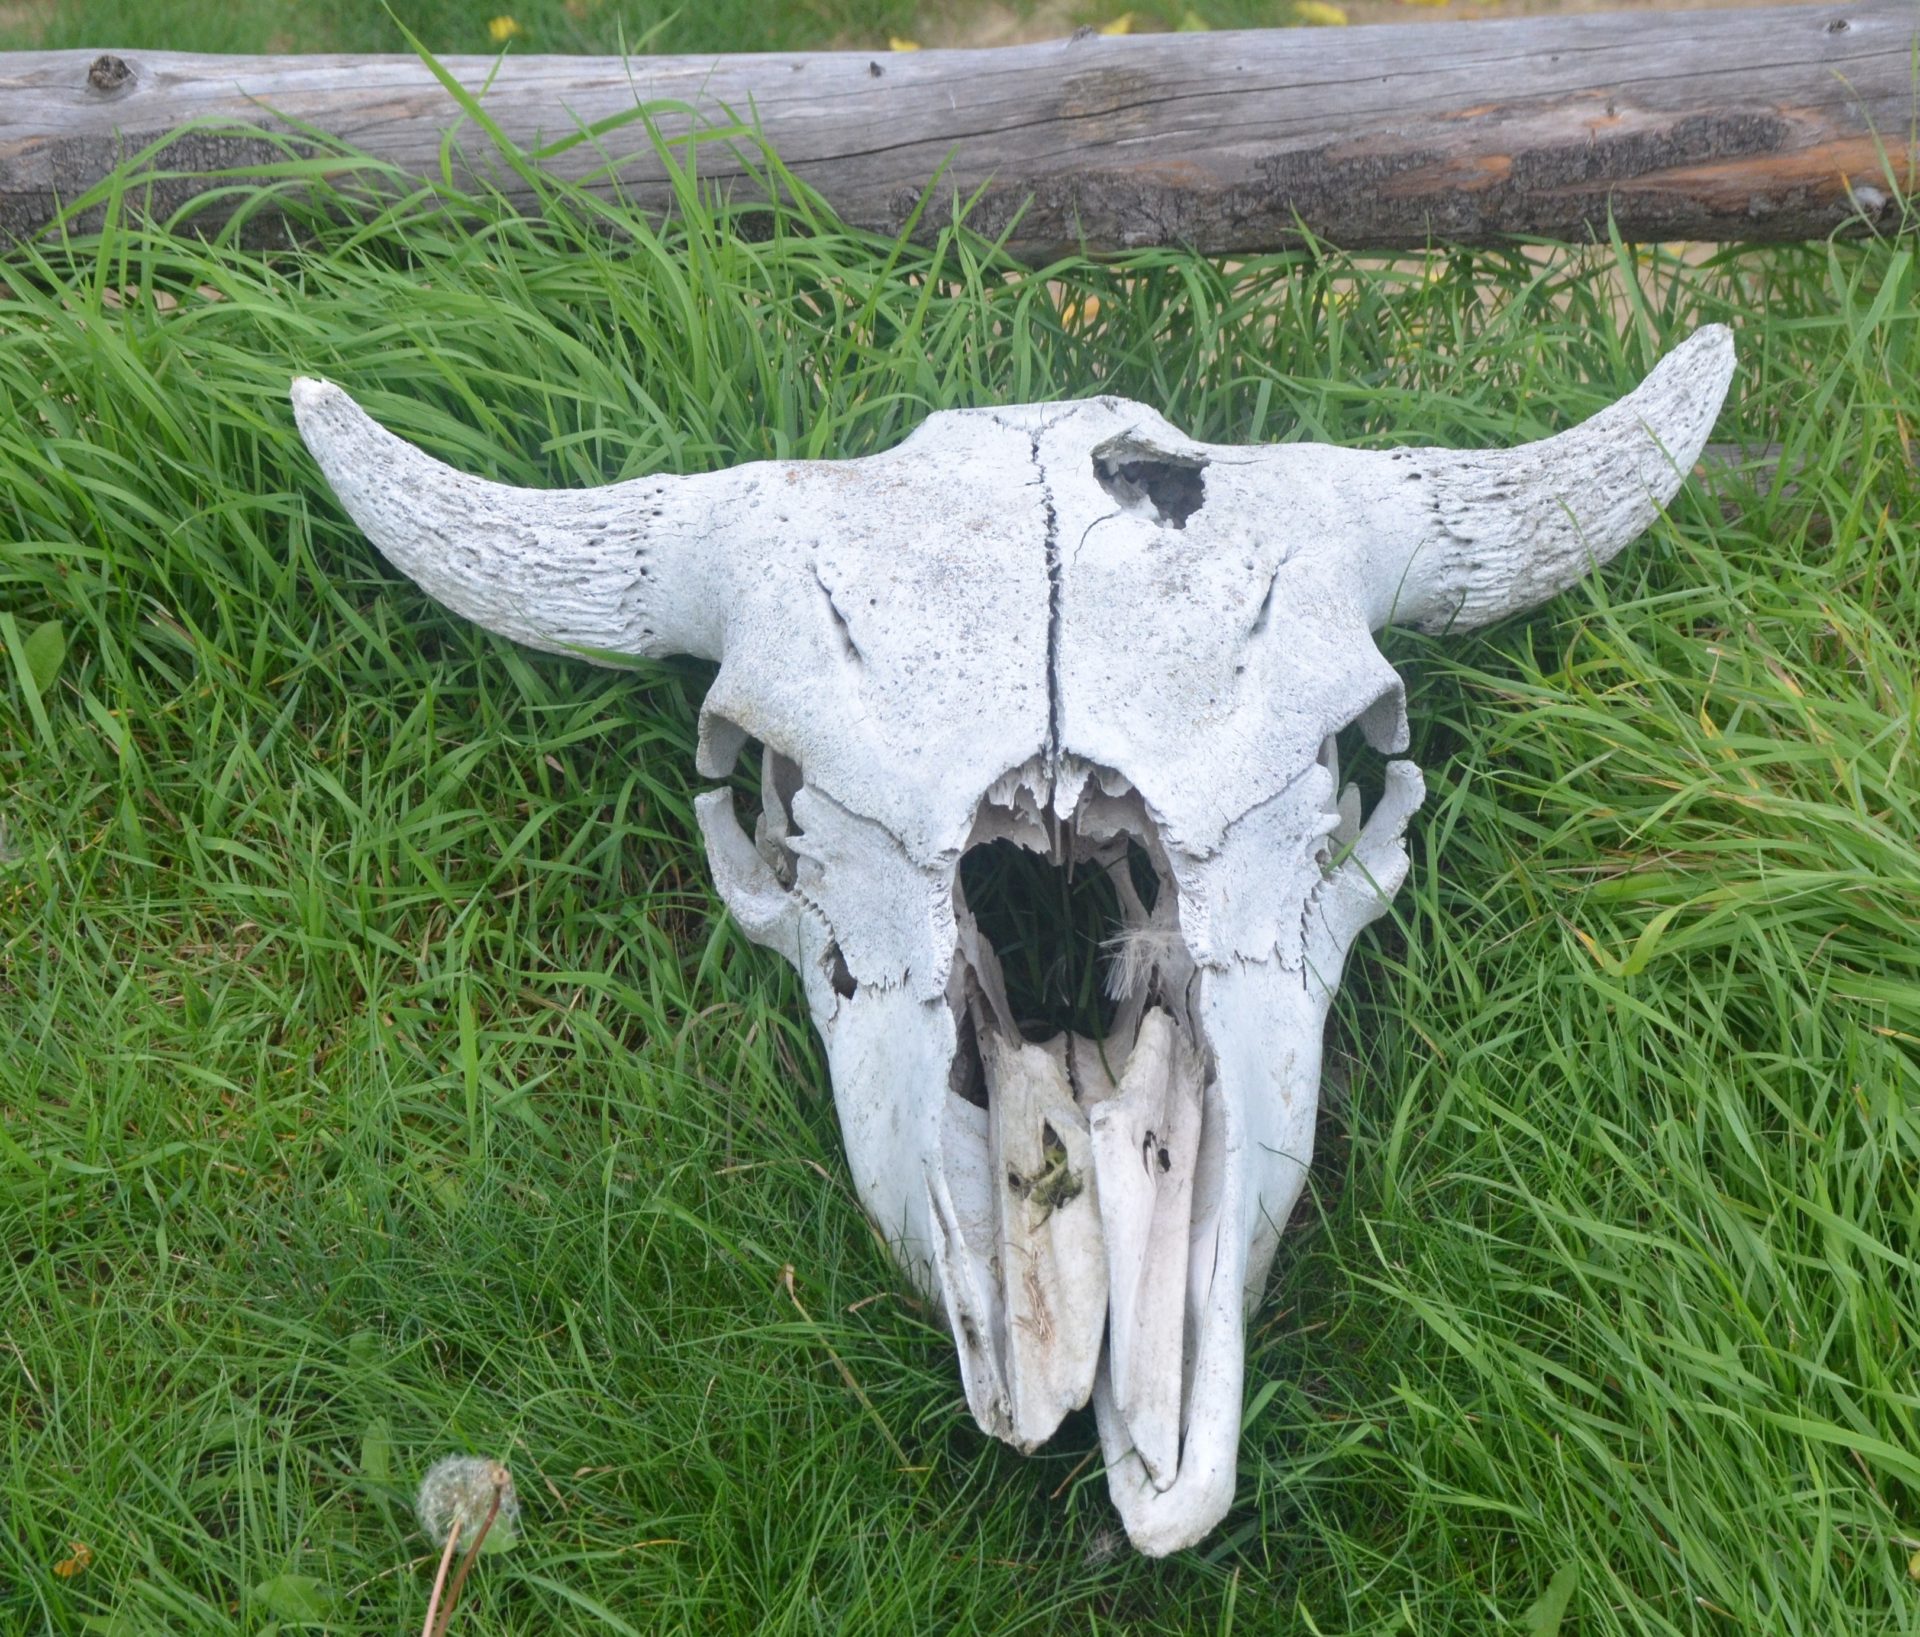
(1053, 1277)
(1146, 1142)
(1070, 628)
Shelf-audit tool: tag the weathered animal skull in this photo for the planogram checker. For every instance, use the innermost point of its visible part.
(1069, 626)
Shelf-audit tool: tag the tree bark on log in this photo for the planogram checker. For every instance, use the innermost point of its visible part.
(1783, 123)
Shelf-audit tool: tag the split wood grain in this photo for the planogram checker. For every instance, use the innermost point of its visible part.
(1766, 124)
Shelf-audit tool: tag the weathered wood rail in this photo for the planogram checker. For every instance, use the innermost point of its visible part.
(1759, 125)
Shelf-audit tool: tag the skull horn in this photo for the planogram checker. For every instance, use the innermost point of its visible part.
(1463, 538)
(632, 570)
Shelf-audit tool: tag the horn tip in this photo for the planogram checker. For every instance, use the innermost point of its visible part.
(315, 404)
(1685, 393)
(1708, 356)
(1714, 337)
(326, 415)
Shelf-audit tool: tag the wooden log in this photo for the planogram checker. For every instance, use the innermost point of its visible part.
(1781, 123)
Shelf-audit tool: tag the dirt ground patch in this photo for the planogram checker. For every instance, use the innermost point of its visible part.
(26, 16)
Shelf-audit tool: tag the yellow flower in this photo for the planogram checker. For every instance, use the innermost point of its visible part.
(1123, 24)
(502, 29)
(895, 43)
(1319, 13)
(76, 1563)
(1191, 22)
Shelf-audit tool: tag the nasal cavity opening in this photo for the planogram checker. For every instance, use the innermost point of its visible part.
(1046, 923)
(1166, 486)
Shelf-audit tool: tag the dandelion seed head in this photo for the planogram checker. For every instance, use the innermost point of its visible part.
(1134, 954)
(456, 1495)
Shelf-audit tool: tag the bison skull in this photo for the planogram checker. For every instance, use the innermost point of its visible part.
(1069, 626)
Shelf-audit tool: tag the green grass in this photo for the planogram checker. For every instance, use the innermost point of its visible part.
(379, 1077)
(451, 26)
(597, 26)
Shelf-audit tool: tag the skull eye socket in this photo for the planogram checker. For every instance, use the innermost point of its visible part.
(1383, 724)
(1358, 772)
(764, 783)
(1356, 759)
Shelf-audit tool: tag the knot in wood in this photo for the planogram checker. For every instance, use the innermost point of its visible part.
(108, 73)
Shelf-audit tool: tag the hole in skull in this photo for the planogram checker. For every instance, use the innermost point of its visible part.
(743, 777)
(1142, 477)
(1046, 923)
(844, 983)
(967, 1075)
(1174, 492)
(780, 779)
(1359, 766)
(1140, 871)
(764, 784)
(1054, 1185)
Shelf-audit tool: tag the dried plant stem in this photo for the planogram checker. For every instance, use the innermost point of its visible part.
(466, 1563)
(439, 1580)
